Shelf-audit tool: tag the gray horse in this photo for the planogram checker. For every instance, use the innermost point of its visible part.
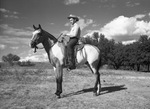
(89, 55)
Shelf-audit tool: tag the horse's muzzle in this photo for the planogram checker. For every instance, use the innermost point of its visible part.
(32, 44)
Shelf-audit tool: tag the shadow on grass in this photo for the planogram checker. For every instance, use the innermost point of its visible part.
(104, 90)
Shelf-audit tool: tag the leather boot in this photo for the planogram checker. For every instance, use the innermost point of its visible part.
(71, 63)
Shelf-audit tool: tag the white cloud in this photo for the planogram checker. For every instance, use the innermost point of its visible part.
(14, 40)
(9, 14)
(15, 12)
(2, 46)
(14, 48)
(149, 14)
(29, 29)
(4, 10)
(128, 42)
(132, 4)
(67, 24)
(15, 32)
(119, 26)
(126, 27)
(95, 25)
(69, 2)
(92, 34)
(52, 23)
(142, 27)
(36, 58)
(85, 22)
(140, 16)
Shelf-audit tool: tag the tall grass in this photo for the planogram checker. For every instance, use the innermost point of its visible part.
(21, 76)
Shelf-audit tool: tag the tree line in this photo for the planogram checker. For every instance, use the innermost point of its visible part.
(135, 56)
(13, 59)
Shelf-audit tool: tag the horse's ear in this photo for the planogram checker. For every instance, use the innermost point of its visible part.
(34, 27)
(40, 26)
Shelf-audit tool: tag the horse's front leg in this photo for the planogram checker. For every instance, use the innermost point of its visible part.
(59, 79)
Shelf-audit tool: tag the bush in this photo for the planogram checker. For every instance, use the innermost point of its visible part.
(26, 63)
(10, 58)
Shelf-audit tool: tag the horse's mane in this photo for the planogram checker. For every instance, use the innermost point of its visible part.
(50, 36)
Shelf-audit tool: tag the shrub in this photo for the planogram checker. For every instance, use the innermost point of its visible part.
(25, 63)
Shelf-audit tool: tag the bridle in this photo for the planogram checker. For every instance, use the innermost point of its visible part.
(36, 47)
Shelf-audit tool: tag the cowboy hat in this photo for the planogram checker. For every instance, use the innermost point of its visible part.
(73, 16)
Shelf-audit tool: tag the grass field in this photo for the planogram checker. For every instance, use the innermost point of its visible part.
(34, 89)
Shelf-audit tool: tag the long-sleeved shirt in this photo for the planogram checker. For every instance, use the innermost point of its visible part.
(75, 31)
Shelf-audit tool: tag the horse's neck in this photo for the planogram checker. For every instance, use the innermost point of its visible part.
(49, 36)
(49, 42)
(47, 45)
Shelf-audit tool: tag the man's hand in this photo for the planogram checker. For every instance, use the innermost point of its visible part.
(64, 34)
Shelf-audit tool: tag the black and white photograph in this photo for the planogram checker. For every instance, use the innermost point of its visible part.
(74, 54)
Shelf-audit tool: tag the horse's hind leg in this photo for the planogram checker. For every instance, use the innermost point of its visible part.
(97, 86)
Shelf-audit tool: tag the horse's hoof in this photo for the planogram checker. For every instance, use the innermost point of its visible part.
(96, 94)
(58, 95)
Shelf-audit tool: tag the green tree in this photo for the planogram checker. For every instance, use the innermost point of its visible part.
(135, 56)
(138, 53)
(144, 47)
(105, 46)
(116, 56)
(129, 55)
(10, 58)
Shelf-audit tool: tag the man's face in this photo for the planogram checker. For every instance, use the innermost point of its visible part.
(72, 20)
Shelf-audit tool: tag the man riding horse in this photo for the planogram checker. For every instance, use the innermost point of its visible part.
(74, 35)
(89, 54)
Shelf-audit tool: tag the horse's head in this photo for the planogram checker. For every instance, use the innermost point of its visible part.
(36, 36)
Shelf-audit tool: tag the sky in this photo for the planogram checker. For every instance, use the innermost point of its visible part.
(121, 20)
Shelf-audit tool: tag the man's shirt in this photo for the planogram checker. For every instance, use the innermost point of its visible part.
(75, 31)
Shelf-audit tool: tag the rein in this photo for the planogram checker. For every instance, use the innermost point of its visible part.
(57, 40)
(36, 47)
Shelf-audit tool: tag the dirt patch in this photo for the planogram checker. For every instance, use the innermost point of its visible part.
(35, 90)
